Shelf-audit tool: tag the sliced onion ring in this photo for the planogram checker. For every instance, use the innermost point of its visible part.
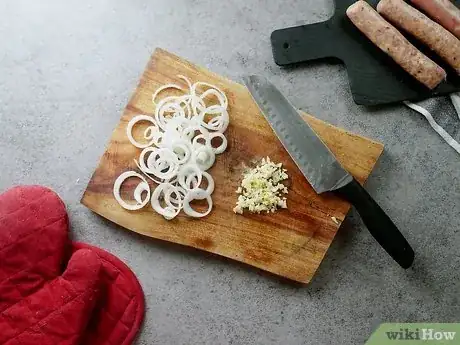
(176, 201)
(147, 173)
(187, 81)
(165, 87)
(162, 159)
(129, 130)
(165, 190)
(193, 180)
(210, 187)
(222, 147)
(216, 91)
(140, 189)
(186, 173)
(197, 194)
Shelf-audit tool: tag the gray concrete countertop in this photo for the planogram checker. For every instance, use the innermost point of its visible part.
(69, 67)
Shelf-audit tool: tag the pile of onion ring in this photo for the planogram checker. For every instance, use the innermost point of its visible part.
(178, 150)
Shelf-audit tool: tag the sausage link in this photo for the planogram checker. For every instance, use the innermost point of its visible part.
(392, 42)
(414, 22)
(442, 11)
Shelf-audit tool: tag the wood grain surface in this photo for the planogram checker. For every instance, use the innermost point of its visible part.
(289, 243)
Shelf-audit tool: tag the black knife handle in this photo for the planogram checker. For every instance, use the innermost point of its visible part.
(378, 223)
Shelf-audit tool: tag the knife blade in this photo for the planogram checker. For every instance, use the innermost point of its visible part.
(321, 168)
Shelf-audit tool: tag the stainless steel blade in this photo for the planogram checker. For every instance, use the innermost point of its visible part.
(312, 156)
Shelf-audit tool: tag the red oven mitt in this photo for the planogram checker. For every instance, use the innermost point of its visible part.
(93, 298)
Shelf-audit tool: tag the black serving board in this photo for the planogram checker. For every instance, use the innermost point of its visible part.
(374, 77)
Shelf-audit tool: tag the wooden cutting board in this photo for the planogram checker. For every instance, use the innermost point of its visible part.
(289, 243)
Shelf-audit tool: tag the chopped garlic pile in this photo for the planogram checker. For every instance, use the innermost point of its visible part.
(261, 189)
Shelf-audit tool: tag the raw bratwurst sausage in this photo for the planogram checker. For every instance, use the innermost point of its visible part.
(443, 11)
(391, 41)
(414, 22)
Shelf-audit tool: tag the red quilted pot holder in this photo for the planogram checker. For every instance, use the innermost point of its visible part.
(120, 308)
(92, 299)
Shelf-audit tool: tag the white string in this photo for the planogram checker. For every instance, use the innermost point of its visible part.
(455, 97)
(446, 136)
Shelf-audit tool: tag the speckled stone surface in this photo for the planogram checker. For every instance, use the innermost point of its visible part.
(67, 70)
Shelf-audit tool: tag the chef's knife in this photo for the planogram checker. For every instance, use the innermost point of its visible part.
(321, 168)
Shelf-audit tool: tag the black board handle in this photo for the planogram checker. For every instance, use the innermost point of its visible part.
(306, 42)
(374, 78)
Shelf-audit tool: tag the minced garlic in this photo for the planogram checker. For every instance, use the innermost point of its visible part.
(261, 189)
